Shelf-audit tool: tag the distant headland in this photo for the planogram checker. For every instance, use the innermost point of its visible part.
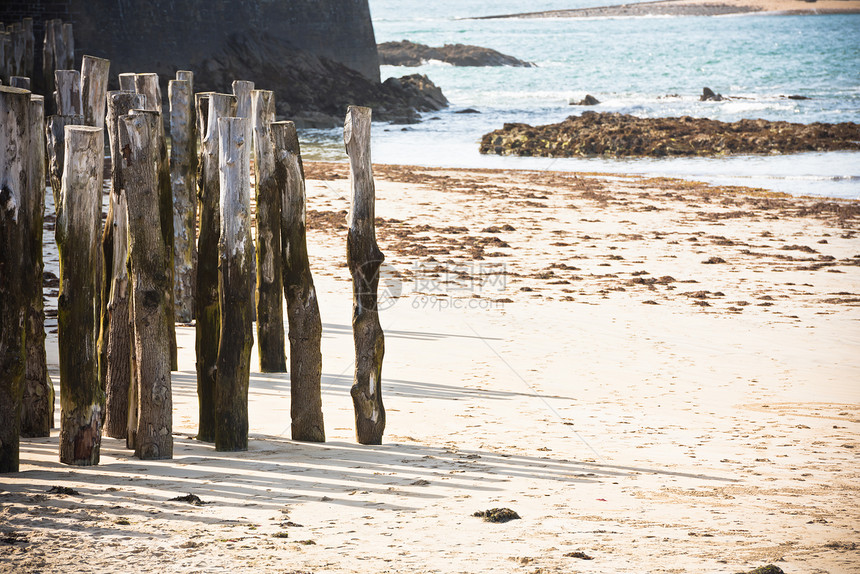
(698, 8)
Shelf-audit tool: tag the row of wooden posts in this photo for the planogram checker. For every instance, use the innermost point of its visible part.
(123, 286)
(17, 54)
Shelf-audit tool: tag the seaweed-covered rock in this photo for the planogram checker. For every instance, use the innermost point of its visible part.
(769, 569)
(406, 53)
(497, 515)
(622, 135)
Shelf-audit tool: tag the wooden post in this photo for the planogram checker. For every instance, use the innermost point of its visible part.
(208, 328)
(149, 258)
(18, 48)
(37, 416)
(68, 92)
(364, 259)
(49, 64)
(29, 47)
(126, 82)
(56, 137)
(148, 86)
(118, 371)
(77, 231)
(94, 80)
(14, 184)
(234, 287)
(302, 307)
(242, 90)
(69, 44)
(4, 67)
(20, 82)
(269, 294)
(183, 182)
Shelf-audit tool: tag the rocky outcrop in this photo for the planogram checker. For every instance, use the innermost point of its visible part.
(311, 90)
(588, 100)
(621, 135)
(708, 95)
(406, 53)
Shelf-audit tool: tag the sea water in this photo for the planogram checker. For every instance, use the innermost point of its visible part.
(648, 67)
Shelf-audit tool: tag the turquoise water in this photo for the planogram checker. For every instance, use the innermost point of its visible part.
(650, 67)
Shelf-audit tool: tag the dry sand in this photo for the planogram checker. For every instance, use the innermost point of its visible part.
(700, 8)
(658, 374)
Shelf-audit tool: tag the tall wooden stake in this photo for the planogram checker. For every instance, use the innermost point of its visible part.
(118, 372)
(234, 287)
(183, 179)
(77, 231)
(14, 184)
(364, 259)
(149, 258)
(208, 327)
(68, 94)
(69, 44)
(37, 416)
(148, 86)
(94, 79)
(302, 306)
(269, 295)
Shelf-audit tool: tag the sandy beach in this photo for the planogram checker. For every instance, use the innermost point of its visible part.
(700, 8)
(656, 375)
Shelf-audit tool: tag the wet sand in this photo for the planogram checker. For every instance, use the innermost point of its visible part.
(657, 374)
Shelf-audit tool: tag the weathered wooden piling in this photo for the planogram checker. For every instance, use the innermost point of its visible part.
(37, 415)
(77, 232)
(364, 259)
(68, 92)
(94, 79)
(127, 82)
(69, 46)
(118, 370)
(302, 307)
(234, 287)
(269, 292)
(148, 86)
(56, 143)
(242, 90)
(149, 259)
(20, 82)
(183, 176)
(49, 64)
(207, 307)
(29, 47)
(14, 184)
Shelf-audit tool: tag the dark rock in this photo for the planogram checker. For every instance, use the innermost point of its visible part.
(406, 53)
(190, 499)
(588, 100)
(798, 98)
(313, 89)
(580, 555)
(497, 515)
(769, 569)
(708, 95)
(622, 135)
(468, 111)
(63, 490)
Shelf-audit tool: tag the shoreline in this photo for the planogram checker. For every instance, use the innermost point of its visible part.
(697, 8)
(647, 370)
